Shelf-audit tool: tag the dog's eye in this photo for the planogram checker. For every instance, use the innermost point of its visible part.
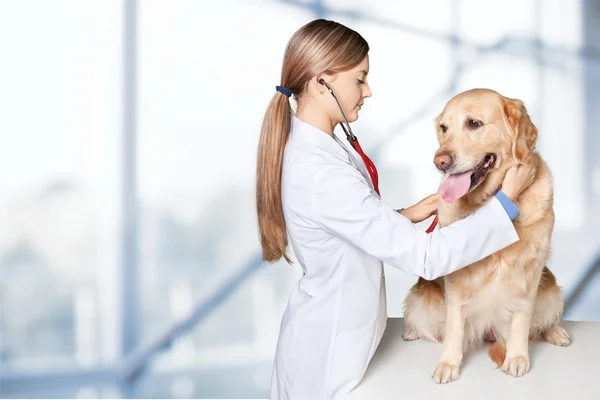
(444, 128)
(474, 124)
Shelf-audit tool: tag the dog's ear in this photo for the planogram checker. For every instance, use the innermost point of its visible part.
(523, 130)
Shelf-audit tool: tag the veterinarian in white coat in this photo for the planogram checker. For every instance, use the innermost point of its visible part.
(339, 227)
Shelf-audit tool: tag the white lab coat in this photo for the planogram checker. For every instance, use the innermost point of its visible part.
(341, 231)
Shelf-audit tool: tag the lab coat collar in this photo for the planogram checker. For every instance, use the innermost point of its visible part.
(302, 131)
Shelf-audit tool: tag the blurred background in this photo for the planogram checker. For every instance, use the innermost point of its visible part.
(129, 257)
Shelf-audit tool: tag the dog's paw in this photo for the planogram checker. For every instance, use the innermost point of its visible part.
(558, 336)
(445, 373)
(516, 366)
(410, 334)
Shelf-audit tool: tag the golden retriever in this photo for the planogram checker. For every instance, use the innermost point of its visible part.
(511, 297)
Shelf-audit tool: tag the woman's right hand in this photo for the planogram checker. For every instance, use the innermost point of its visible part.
(517, 179)
(422, 210)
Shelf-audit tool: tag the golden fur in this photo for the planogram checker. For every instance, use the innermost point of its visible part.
(510, 297)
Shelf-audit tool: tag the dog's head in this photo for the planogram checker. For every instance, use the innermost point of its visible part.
(481, 135)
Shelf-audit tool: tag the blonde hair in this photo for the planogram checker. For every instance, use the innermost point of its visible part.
(319, 47)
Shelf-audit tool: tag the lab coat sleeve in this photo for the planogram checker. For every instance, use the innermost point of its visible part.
(345, 205)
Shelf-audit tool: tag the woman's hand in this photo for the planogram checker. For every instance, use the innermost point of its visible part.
(517, 179)
(423, 209)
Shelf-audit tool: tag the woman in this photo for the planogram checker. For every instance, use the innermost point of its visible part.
(311, 187)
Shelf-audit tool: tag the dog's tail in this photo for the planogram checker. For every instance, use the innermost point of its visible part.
(497, 353)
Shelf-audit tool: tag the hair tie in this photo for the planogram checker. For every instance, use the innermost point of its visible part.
(285, 91)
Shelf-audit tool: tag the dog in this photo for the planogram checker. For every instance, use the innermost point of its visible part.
(510, 298)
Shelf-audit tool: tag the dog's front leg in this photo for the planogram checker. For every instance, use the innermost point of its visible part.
(448, 366)
(516, 362)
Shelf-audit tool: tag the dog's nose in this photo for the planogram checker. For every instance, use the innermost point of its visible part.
(442, 161)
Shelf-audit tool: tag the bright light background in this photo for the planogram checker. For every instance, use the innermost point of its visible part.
(205, 73)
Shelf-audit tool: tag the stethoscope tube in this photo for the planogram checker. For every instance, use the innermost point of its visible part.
(349, 134)
(354, 141)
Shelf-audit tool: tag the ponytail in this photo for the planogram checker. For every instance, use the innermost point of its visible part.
(273, 137)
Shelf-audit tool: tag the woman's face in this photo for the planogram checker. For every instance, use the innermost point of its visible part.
(351, 88)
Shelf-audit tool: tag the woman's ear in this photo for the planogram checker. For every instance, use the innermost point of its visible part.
(316, 84)
(524, 132)
(327, 77)
(313, 87)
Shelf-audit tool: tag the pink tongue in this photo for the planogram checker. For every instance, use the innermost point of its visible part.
(455, 187)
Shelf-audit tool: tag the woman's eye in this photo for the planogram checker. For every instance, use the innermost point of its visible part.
(360, 81)
(474, 124)
(444, 128)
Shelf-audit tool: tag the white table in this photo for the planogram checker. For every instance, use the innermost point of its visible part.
(402, 370)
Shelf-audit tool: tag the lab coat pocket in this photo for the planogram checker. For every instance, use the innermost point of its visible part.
(352, 353)
(307, 286)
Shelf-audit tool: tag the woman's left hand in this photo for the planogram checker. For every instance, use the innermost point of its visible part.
(422, 210)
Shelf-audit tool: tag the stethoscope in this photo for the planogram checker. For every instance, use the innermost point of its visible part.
(356, 146)
(354, 142)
